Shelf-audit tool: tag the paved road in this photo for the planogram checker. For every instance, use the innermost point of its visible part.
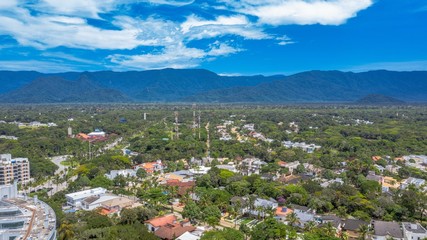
(50, 184)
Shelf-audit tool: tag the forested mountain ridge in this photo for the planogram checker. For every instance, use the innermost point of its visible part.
(199, 85)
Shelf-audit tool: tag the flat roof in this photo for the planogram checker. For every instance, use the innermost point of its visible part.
(86, 193)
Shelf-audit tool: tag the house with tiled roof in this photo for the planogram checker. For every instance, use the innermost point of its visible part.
(172, 231)
(282, 213)
(387, 230)
(183, 186)
(155, 223)
(151, 167)
(352, 227)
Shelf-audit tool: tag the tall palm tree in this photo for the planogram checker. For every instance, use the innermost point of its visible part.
(363, 230)
(292, 219)
(65, 231)
(309, 226)
(344, 235)
(330, 229)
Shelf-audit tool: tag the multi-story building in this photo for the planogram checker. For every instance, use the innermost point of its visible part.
(25, 218)
(12, 169)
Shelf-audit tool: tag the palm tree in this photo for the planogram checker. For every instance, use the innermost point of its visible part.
(65, 231)
(343, 235)
(309, 226)
(330, 229)
(363, 230)
(292, 219)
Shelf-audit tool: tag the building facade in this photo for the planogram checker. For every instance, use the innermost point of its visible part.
(12, 169)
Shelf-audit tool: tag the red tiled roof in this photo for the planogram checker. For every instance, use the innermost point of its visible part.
(161, 221)
(172, 231)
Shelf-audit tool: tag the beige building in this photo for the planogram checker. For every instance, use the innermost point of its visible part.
(13, 169)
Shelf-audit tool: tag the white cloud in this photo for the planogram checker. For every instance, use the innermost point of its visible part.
(175, 56)
(198, 28)
(302, 12)
(7, 4)
(41, 66)
(177, 3)
(46, 31)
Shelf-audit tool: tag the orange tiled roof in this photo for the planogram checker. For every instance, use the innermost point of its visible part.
(82, 135)
(376, 158)
(162, 221)
(279, 211)
(281, 163)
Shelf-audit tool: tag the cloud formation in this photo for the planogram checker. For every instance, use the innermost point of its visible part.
(110, 25)
(301, 12)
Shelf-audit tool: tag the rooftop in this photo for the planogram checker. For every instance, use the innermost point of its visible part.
(382, 228)
(161, 221)
(86, 193)
(38, 219)
(414, 227)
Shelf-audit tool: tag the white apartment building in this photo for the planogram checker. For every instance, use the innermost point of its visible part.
(12, 169)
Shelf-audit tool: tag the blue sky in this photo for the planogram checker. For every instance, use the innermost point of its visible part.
(224, 36)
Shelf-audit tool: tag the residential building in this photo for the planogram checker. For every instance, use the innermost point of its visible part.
(202, 170)
(251, 166)
(417, 182)
(75, 199)
(12, 169)
(309, 148)
(414, 231)
(155, 223)
(93, 202)
(188, 236)
(151, 167)
(282, 213)
(389, 183)
(97, 134)
(386, 230)
(171, 231)
(352, 227)
(335, 221)
(304, 215)
(123, 172)
(116, 205)
(183, 187)
(291, 166)
(230, 167)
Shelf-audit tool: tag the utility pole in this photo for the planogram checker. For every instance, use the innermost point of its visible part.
(194, 120)
(199, 125)
(176, 126)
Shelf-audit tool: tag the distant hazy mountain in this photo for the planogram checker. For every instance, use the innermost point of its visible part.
(326, 86)
(58, 90)
(378, 99)
(198, 85)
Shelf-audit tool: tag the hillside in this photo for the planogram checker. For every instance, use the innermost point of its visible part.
(199, 85)
(378, 99)
(59, 90)
(326, 86)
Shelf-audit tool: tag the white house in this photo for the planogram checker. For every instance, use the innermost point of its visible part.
(414, 231)
(75, 199)
(123, 172)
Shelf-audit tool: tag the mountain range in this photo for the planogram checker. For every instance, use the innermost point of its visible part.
(199, 85)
